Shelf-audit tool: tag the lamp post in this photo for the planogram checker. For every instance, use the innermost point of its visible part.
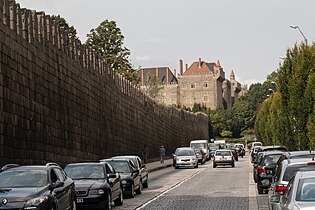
(297, 27)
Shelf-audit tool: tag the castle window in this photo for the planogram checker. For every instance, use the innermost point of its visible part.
(193, 85)
(205, 84)
(205, 98)
(193, 99)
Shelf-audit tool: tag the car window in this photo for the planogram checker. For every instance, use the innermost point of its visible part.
(185, 153)
(271, 159)
(223, 153)
(109, 169)
(23, 178)
(139, 162)
(291, 170)
(60, 175)
(306, 190)
(289, 189)
(121, 166)
(88, 171)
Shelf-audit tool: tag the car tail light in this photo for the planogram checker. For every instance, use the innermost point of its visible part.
(280, 189)
(261, 170)
(311, 163)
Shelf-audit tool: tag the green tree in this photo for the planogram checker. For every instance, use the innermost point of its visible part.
(154, 87)
(72, 32)
(108, 41)
(226, 133)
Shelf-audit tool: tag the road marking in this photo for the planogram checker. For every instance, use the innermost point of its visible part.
(173, 187)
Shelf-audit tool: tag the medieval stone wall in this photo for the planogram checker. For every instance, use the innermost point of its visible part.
(59, 101)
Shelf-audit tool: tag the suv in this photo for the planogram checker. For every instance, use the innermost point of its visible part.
(141, 167)
(223, 157)
(36, 187)
(266, 170)
(97, 184)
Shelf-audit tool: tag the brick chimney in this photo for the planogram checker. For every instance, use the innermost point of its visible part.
(199, 65)
(181, 66)
(142, 77)
(175, 73)
(186, 66)
(166, 69)
(157, 73)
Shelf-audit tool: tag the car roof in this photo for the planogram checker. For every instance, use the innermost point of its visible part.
(124, 156)
(305, 152)
(306, 174)
(87, 163)
(222, 150)
(272, 152)
(300, 161)
(115, 159)
(184, 148)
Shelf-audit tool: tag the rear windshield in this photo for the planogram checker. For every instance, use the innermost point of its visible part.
(306, 190)
(290, 171)
(223, 153)
(271, 159)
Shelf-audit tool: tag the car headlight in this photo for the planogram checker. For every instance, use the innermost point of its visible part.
(96, 192)
(35, 202)
(124, 182)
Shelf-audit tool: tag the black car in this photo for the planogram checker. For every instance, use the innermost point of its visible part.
(266, 170)
(97, 184)
(36, 187)
(141, 167)
(129, 174)
(201, 155)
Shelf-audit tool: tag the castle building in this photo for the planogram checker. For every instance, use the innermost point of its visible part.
(202, 83)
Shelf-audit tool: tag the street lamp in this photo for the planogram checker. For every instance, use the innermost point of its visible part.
(297, 27)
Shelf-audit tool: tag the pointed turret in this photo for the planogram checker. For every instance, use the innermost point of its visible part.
(232, 75)
(218, 64)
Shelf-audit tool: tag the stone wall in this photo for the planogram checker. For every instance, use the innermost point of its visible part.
(59, 101)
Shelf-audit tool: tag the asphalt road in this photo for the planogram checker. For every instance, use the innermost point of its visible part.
(221, 188)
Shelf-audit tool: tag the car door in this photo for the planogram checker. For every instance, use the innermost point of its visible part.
(114, 183)
(59, 193)
(285, 201)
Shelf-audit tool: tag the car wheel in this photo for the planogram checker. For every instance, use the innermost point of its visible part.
(132, 191)
(233, 165)
(260, 189)
(214, 165)
(139, 190)
(145, 185)
(108, 202)
(196, 166)
(119, 201)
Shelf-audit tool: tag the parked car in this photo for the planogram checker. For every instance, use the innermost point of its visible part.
(266, 170)
(140, 166)
(285, 172)
(299, 195)
(97, 184)
(255, 165)
(36, 187)
(257, 143)
(255, 150)
(223, 157)
(185, 157)
(201, 156)
(130, 175)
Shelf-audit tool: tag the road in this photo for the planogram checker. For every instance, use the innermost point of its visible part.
(221, 188)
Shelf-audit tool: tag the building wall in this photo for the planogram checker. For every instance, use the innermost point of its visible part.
(60, 103)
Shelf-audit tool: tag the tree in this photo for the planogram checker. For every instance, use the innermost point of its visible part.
(72, 32)
(226, 133)
(153, 87)
(107, 40)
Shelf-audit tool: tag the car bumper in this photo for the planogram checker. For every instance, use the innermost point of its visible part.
(185, 164)
(264, 181)
(92, 202)
(127, 188)
(223, 162)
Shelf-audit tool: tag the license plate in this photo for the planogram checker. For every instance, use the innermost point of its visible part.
(79, 200)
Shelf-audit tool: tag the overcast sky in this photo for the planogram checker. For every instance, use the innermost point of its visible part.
(247, 36)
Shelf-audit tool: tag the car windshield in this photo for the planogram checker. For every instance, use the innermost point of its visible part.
(271, 159)
(198, 145)
(88, 171)
(290, 171)
(223, 153)
(185, 153)
(23, 178)
(306, 190)
(121, 166)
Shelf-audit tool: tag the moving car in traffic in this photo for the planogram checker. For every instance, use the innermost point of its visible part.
(223, 157)
(203, 144)
(201, 156)
(36, 187)
(97, 184)
(185, 157)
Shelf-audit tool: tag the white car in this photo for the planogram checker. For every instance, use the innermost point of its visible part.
(185, 157)
(223, 157)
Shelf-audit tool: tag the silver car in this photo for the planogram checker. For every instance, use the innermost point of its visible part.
(185, 157)
(299, 195)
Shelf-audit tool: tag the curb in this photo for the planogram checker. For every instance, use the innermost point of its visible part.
(160, 167)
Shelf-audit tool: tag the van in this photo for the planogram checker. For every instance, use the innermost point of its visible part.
(203, 144)
(256, 144)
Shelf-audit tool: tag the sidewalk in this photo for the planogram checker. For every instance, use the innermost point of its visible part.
(154, 166)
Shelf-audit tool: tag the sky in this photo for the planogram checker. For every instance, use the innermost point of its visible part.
(247, 36)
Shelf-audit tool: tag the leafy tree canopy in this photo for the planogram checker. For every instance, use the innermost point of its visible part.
(72, 32)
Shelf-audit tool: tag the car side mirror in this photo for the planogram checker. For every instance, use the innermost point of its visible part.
(275, 199)
(111, 176)
(55, 185)
(143, 166)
